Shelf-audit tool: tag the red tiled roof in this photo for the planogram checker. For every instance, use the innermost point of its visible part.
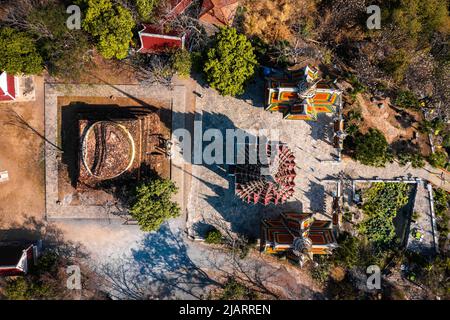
(154, 39)
(218, 12)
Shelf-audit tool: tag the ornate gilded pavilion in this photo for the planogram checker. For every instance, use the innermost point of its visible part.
(298, 235)
(301, 95)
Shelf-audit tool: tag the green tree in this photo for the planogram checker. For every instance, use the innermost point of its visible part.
(372, 148)
(152, 204)
(145, 8)
(111, 25)
(230, 62)
(63, 50)
(19, 53)
(214, 237)
(181, 62)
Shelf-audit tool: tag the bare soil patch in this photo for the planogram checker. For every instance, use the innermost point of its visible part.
(396, 124)
(21, 152)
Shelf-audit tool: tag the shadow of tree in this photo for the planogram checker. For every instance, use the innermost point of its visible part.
(160, 268)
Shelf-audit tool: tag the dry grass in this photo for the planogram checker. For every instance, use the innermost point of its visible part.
(273, 20)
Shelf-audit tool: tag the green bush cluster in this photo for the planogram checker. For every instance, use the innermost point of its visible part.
(372, 148)
(145, 9)
(230, 62)
(382, 202)
(111, 25)
(439, 159)
(415, 158)
(213, 236)
(407, 99)
(19, 53)
(181, 63)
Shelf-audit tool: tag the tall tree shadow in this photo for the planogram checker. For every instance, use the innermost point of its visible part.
(159, 268)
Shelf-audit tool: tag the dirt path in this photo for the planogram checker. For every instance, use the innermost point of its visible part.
(21, 155)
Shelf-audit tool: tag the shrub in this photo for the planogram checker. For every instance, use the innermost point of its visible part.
(111, 25)
(230, 62)
(19, 53)
(214, 237)
(382, 202)
(234, 290)
(438, 159)
(152, 204)
(23, 289)
(407, 99)
(357, 86)
(396, 64)
(372, 148)
(415, 158)
(321, 272)
(145, 8)
(182, 63)
(441, 200)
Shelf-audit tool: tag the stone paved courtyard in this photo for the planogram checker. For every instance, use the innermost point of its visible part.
(212, 200)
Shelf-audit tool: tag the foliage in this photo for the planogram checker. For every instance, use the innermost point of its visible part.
(111, 25)
(24, 289)
(152, 204)
(357, 86)
(230, 62)
(438, 159)
(145, 8)
(437, 275)
(19, 53)
(415, 158)
(40, 283)
(181, 62)
(407, 99)
(214, 237)
(441, 202)
(63, 50)
(396, 64)
(420, 19)
(434, 273)
(372, 148)
(382, 202)
(234, 290)
(321, 272)
(434, 126)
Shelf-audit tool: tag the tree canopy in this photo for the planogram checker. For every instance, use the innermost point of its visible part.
(372, 148)
(145, 8)
(19, 53)
(230, 62)
(111, 25)
(63, 50)
(152, 204)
